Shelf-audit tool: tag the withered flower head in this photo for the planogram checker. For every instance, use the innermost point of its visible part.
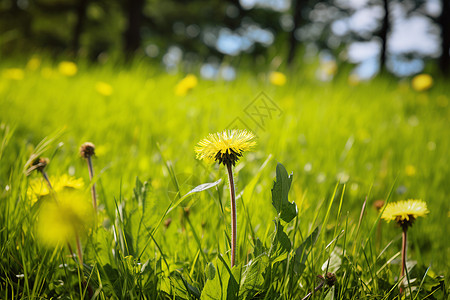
(87, 150)
(39, 164)
(378, 204)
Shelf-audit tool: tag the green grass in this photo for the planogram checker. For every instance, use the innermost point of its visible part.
(347, 146)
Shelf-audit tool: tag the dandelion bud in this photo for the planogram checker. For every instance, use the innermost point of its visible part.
(87, 150)
(167, 222)
(330, 279)
(378, 204)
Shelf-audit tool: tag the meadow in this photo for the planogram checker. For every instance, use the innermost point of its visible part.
(347, 144)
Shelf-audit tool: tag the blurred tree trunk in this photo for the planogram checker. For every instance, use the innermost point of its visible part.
(444, 22)
(298, 6)
(132, 33)
(383, 35)
(78, 29)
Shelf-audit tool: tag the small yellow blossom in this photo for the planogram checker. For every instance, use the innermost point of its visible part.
(277, 78)
(354, 79)
(104, 88)
(67, 68)
(64, 219)
(405, 212)
(225, 147)
(38, 188)
(410, 170)
(34, 63)
(13, 74)
(422, 82)
(186, 84)
(329, 68)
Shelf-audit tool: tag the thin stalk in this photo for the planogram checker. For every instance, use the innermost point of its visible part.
(233, 214)
(91, 176)
(405, 228)
(314, 291)
(44, 174)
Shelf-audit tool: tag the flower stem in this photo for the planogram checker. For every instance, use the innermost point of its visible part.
(405, 228)
(233, 214)
(91, 176)
(44, 174)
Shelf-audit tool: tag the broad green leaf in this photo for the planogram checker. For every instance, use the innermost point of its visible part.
(224, 285)
(197, 189)
(330, 294)
(280, 192)
(333, 263)
(281, 243)
(252, 278)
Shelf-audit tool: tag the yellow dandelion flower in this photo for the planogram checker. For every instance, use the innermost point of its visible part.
(410, 170)
(103, 88)
(277, 78)
(405, 212)
(329, 68)
(13, 74)
(225, 147)
(422, 82)
(67, 68)
(66, 219)
(66, 181)
(186, 84)
(37, 187)
(34, 63)
(354, 79)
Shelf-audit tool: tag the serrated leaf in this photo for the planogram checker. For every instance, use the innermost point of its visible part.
(252, 278)
(280, 192)
(281, 242)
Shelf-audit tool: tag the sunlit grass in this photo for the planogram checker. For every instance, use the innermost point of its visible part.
(345, 143)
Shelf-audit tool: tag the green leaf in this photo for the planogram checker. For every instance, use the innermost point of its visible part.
(140, 193)
(252, 280)
(330, 294)
(281, 243)
(197, 189)
(280, 191)
(333, 263)
(302, 252)
(224, 285)
(210, 271)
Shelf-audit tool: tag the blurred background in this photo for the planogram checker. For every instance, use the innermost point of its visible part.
(401, 37)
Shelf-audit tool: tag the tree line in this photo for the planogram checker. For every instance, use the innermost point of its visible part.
(92, 28)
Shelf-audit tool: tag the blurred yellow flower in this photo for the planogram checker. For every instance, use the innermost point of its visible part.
(353, 79)
(410, 170)
(104, 88)
(405, 212)
(186, 84)
(38, 188)
(65, 219)
(13, 74)
(277, 78)
(422, 82)
(329, 67)
(34, 63)
(225, 147)
(67, 68)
